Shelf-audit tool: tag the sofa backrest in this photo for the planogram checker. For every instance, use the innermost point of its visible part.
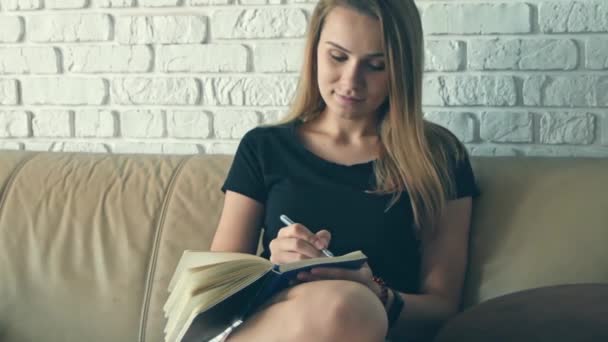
(539, 222)
(88, 242)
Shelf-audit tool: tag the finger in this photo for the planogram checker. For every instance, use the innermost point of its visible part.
(285, 257)
(334, 273)
(302, 276)
(286, 250)
(298, 246)
(299, 231)
(306, 277)
(309, 278)
(325, 236)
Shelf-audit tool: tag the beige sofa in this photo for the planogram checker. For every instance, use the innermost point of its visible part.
(88, 242)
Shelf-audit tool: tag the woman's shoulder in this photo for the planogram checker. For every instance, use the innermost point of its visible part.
(452, 159)
(266, 134)
(442, 141)
(267, 130)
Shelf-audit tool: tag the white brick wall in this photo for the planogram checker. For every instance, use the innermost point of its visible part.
(509, 77)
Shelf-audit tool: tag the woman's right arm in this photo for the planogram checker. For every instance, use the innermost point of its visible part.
(239, 231)
(239, 227)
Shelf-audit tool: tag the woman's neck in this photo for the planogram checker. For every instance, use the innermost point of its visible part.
(342, 129)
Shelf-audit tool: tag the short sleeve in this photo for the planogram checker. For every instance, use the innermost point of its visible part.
(246, 175)
(464, 179)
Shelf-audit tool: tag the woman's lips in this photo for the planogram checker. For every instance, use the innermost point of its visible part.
(348, 100)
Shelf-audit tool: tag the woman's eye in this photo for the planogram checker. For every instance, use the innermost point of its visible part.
(376, 66)
(338, 58)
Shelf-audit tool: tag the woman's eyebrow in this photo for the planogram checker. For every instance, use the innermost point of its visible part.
(375, 54)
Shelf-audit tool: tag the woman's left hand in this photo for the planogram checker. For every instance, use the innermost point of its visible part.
(363, 275)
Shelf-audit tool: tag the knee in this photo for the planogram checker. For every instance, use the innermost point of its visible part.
(352, 312)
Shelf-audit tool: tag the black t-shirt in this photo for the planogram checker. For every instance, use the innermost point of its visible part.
(273, 167)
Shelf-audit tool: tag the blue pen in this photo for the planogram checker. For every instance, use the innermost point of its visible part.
(287, 220)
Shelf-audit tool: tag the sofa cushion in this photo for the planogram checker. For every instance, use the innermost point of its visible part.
(190, 217)
(78, 237)
(532, 222)
(574, 312)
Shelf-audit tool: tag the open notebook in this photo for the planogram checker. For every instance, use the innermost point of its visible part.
(213, 292)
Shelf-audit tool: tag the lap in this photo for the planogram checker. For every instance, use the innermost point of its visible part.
(322, 289)
(324, 304)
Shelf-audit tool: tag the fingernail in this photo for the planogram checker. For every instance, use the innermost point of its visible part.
(319, 244)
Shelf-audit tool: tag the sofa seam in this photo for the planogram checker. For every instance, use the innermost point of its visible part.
(155, 246)
(11, 180)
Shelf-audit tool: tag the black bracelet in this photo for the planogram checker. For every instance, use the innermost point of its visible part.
(395, 310)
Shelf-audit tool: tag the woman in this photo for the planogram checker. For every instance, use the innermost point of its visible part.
(357, 167)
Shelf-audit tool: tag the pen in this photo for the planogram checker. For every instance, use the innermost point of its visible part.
(287, 220)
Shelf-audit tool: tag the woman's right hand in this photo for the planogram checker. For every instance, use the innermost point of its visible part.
(295, 242)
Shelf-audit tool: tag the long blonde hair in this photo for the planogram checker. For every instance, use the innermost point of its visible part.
(415, 153)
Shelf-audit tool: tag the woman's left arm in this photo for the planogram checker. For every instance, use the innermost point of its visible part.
(442, 273)
(443, 268)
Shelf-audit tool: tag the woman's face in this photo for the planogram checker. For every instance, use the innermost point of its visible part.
(352, 77)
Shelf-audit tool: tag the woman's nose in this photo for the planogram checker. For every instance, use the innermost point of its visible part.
(352, 76)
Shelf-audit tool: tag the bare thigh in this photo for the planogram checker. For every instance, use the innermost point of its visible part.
(327, 310)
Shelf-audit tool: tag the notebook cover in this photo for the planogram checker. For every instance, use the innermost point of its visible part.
(215, 320)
